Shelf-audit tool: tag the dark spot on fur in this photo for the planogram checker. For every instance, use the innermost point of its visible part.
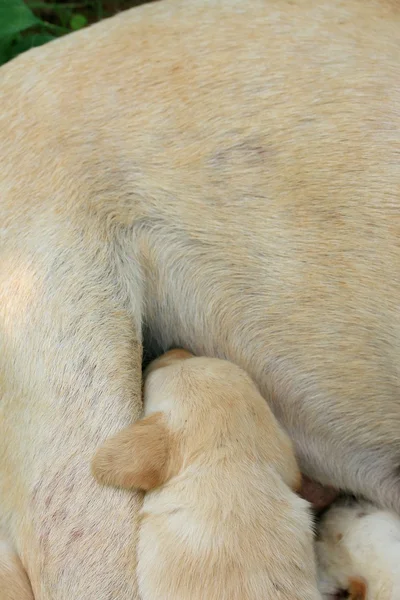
(58, 517)
(175, 511)
(249, 151)
(75, 534)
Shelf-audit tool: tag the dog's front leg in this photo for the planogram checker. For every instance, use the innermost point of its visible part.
(69, 376)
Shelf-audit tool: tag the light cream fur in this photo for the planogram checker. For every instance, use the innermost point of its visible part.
(220, 519)
(221, 175)
(14, 583)
(359, 543)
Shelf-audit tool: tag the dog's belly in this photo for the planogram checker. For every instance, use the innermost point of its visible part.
(309, 311)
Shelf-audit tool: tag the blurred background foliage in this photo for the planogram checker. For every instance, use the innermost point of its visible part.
(25, 24)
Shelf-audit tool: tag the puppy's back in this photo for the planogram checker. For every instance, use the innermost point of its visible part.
(226, 534)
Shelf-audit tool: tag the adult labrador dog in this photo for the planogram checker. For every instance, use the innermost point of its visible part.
(222, 175)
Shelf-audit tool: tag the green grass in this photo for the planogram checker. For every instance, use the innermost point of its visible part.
(30, 23)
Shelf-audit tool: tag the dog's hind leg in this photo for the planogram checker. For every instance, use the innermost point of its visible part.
(70, 372)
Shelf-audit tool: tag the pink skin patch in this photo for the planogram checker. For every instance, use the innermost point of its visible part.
(320, 496)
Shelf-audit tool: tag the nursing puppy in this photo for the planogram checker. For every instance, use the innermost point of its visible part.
(220, 518)
(14, 583)
(358, 550)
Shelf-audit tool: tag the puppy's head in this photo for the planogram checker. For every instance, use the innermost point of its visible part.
(194, 407)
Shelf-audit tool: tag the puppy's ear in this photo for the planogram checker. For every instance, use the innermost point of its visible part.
(357, 589)
(136, 457)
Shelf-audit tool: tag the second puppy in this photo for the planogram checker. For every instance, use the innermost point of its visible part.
(221, 520)
(358, 551)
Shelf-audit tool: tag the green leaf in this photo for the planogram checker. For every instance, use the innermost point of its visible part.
(15, 16)
(29, 41)
(64, 14)
(5, 49)
(77, 21)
